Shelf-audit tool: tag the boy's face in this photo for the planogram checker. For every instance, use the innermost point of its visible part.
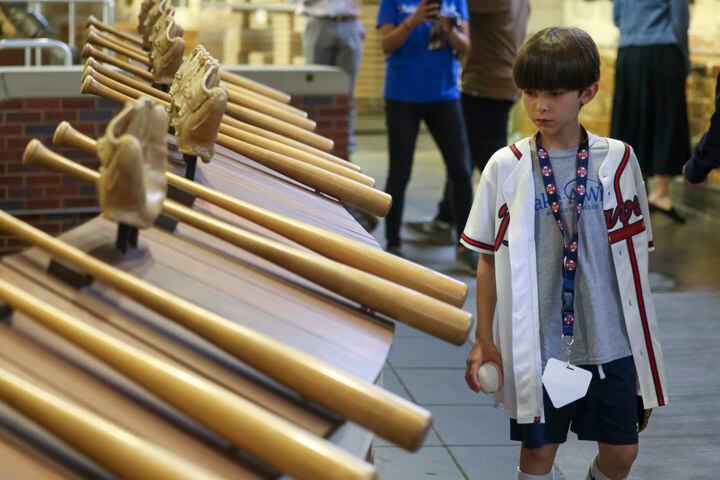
(553, 111)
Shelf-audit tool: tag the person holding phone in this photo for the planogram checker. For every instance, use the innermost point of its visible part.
(497, 31)
(421, 84)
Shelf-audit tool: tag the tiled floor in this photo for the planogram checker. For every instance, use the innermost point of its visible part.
(470, 439)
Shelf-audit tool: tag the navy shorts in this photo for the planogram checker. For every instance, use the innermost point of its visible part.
(608, 413)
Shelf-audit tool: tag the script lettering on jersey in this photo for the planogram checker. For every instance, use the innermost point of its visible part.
(623, 212)
(503, 212)
(504, 216)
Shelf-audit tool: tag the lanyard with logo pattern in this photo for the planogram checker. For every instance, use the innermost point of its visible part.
(570, 248)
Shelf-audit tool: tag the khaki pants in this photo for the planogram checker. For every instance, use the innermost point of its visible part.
(339, 44)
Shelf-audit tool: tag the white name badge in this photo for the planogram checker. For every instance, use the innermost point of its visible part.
(565, 383)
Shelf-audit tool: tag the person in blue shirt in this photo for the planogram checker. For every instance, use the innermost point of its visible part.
(422, 40)
(649, 108)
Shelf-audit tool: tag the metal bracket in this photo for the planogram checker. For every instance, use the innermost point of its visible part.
(166, 222)
(5, 312)
(190, 166)
(69, 274)
(127, 236)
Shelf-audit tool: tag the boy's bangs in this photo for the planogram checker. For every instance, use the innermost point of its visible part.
(546, 71)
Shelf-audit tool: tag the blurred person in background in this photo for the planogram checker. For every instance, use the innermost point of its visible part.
(706, 155)
(422, 40)
(497, 31)
(334, 36)
(649, 107)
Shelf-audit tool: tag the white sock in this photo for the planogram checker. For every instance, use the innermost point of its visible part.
(526, 476)
(594, 472)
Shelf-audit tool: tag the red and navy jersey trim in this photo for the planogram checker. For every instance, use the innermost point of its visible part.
(637, 283)
(515, 151)
(477, 243)
(627, 231)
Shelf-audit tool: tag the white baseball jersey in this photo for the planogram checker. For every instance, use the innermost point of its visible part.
(501, 223)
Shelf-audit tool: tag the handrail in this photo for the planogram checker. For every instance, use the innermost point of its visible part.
(108, 12)
(37, 44)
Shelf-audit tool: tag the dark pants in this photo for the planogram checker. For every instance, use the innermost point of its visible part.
(445, 123)
(486, 121)
(608, 413)
(649, 107)
(340, 44)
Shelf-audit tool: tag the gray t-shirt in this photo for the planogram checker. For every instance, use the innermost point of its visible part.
(599, 331)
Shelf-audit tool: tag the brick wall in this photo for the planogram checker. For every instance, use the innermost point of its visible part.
(41, 197)
(331, 114)
(56, 203)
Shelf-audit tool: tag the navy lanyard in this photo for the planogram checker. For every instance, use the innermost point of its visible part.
(570, 248)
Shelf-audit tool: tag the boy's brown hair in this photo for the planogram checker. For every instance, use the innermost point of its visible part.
(557, 58)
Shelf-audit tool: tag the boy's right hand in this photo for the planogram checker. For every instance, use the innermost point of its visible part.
(427, 10)
(482, 351)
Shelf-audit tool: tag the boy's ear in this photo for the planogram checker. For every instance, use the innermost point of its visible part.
(589, 93)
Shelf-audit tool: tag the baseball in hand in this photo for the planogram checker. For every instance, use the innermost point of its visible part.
(489, 377)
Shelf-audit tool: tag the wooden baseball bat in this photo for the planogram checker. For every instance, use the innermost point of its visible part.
(233, 78)
(108, 36)
(395, 301)
(92, 63)
(272, 124)
(117, 449)
(294, 153)
(332, 245)
(372, 407)
(90, 51)
(94, 38)
(257, 87)
(243, 113)
(290, 142)
(118, 33)
(93, 68)
(134, 88)
(236, 93)
(340, 187)
(343, 188)
(236, 90)
(239, 103)
(266, 435)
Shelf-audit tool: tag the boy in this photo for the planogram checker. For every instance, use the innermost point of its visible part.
(562, 224)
